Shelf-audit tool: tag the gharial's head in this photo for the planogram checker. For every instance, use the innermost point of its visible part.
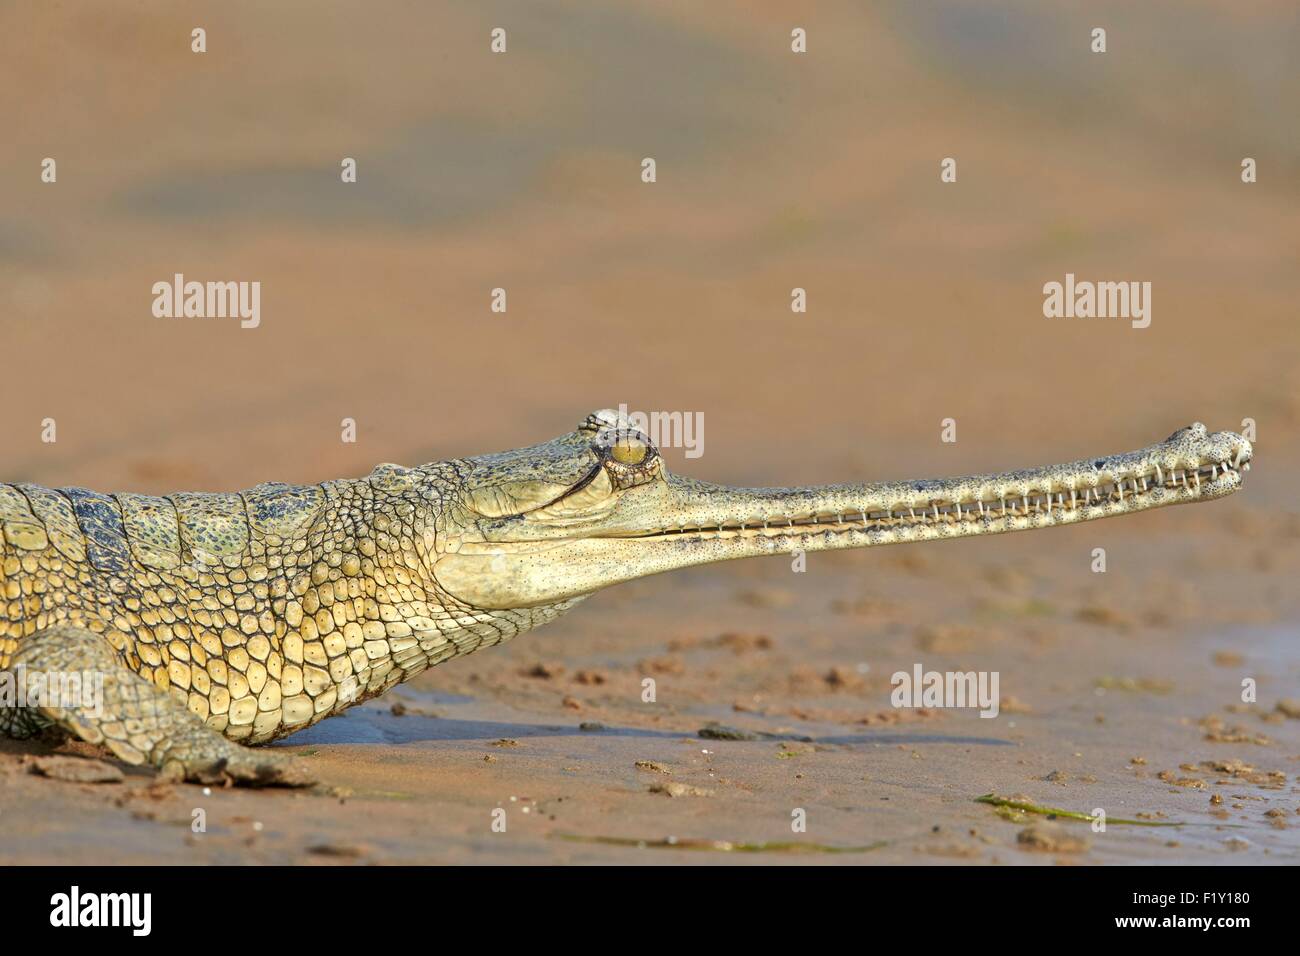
(596, 507)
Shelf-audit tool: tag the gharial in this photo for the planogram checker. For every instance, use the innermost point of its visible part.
(217, 620)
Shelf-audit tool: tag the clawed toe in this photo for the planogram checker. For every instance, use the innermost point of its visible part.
(246, 770)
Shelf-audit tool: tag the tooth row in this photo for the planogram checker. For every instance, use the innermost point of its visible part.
(954, 512)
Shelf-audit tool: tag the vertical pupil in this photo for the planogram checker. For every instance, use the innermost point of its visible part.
(628, 452)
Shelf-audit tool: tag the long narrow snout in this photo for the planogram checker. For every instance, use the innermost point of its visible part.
(682, 522)
(1191, 465)
(706, 522)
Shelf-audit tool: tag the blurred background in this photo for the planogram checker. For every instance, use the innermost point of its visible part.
(522, 171)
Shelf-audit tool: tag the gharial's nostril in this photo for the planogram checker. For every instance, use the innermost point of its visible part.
(1195, 431)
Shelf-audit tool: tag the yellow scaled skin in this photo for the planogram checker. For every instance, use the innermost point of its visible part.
(229, 619)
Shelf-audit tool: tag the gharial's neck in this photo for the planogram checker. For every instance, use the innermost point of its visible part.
(389, 528)
(360, 612)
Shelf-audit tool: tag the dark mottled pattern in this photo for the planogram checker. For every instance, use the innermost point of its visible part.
(212, 524)
(101, 526)
(13, 505)
(280, 509)
(153, 529)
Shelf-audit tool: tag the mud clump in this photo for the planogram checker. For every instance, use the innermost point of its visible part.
(672, 788)
(1049, 838)
(76, 770)
(723, 732)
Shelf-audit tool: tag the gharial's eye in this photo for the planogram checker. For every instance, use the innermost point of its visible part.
(628, 450)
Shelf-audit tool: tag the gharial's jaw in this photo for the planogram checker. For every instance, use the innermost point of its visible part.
(675, 522)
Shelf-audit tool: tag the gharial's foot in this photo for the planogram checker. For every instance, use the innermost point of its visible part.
(201, 755)
(141, 723)
(241, 765)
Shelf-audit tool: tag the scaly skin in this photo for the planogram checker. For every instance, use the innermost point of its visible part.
(219, 620)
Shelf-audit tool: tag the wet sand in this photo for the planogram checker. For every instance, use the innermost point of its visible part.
(924, 304)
